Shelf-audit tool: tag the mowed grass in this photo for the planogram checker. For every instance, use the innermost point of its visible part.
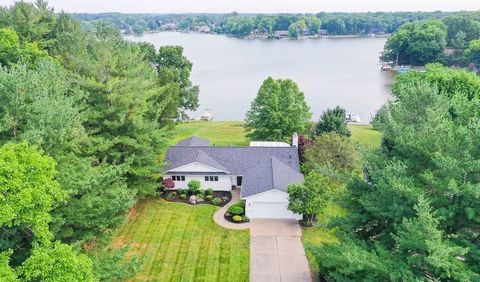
(220, 133)
(366, 135)
(180, 242)
(231, 133)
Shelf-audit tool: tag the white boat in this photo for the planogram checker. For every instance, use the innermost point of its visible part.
(207, 115)
(353, 119)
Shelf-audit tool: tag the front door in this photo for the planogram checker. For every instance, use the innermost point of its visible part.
(239, 181)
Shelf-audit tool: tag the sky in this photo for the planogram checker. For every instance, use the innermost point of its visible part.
(256, 6)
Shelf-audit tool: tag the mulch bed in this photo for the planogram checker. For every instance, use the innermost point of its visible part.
(229, 218)
(216, 194)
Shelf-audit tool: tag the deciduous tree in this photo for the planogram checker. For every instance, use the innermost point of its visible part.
(278, 111)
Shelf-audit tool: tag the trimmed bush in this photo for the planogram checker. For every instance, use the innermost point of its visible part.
(193, 187)
(168, 196)
(236, 209)
(209, 197)
(209, 191)
(237, 218)
(201, 192)
(183, 196)
(241, 204)
(217, 201)
(199, 196)
(174, 193)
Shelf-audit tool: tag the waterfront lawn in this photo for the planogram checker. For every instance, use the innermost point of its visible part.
(180, 242)
(366, 135)
(226, 133)
(220, 133)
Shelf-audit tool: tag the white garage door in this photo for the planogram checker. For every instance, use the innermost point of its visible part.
(272, 210)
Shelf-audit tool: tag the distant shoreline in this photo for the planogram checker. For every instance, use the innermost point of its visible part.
(263, 37)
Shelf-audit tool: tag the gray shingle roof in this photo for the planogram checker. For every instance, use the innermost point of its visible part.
(262, 168)
(199, 157)
(193, 141)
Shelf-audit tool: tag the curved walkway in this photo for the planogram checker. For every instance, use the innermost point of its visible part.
(219, 218)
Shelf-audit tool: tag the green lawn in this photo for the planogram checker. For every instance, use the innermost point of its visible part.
(366, 135)
(222, 133)
(314, 236)
(180, 242)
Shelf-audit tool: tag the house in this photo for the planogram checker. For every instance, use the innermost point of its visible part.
(322, 32)
(262, 172)
(281, 33)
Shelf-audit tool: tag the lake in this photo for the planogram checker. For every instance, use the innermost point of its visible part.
(330, 71)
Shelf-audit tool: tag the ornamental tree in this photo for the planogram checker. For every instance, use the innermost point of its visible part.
(168, 183)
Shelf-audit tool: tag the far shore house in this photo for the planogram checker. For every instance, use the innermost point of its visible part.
(262, 171)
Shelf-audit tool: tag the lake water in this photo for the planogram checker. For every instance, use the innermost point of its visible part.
(330, 71)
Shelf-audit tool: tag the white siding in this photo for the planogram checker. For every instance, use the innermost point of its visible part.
(223, 184)
(270, 204)
(194, 167)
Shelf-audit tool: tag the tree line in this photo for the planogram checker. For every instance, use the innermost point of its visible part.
(84, 117)
(243, 24)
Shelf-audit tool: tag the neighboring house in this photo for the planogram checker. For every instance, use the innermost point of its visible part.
(281, 33)
(263, 172)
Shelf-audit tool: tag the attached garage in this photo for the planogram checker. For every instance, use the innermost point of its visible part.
(269, 204)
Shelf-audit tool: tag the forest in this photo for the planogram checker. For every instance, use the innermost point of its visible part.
(89, 113)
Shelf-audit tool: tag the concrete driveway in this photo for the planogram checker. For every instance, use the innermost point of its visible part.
(276, 251)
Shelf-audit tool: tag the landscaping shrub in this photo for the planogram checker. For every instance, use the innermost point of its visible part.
(199, 196)
(236, 209)
(209, 191)
(217, 201)
(168, 196)
(201, 192)
(209, 197)
(181, 191)
(241, 204)
(193, 187)
(237, 218)
(174, 193)
(183, 196)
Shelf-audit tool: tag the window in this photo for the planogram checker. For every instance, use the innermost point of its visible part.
(178, 177)
(211, 178)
